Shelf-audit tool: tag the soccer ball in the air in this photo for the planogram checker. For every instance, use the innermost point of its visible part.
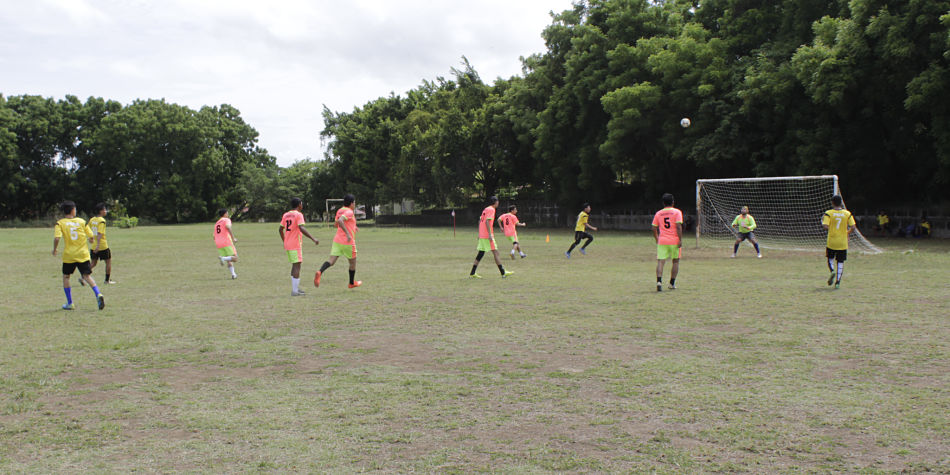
(685, 122)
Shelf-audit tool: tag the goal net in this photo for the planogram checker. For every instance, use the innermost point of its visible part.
(787, 211)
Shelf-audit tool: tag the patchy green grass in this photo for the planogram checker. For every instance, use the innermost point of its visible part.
(568, 366)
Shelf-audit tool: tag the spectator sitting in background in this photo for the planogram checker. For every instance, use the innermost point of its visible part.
(883, 223)
(924, 227)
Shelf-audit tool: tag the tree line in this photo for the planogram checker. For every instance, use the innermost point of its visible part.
(789, 87)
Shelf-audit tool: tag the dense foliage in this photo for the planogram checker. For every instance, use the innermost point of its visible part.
(794, 87)
(857, 88)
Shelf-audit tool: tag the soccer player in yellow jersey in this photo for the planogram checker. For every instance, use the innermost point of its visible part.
(72, 231)
(580, 230)
(745, 224)
(839, 223)
(100, 246)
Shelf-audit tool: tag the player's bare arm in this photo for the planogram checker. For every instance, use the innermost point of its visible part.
(679, 234)
(341, 223)
(230, 232)
(590, 227)
(55, 244)
(304, 231)
(656, 234)
(280, 231)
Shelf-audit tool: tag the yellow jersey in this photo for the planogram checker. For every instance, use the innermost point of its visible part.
(581, 221)
(97, 226)
(838, 222)
(73, 233)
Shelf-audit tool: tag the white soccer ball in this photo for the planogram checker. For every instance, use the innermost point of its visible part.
(685, 122)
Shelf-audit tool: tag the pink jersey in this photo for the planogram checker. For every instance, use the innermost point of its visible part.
(486, 224)
(349, 221)
(665, 220)
(508, 223)
(222, 238)
(291, 222)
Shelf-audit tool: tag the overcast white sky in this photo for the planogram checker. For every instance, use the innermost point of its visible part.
(277, 61)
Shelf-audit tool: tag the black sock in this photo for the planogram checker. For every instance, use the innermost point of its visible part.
(352, 274)
(501, 269)
(325, 266)
(659, 280)
(735, 248)
(107, 278)
(673, 281)
(473, 269)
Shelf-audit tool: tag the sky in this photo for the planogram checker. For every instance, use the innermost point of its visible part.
(279, 62)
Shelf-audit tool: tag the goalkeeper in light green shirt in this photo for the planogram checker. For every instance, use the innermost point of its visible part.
(745, 224)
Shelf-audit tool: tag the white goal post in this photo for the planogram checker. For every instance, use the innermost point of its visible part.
(787, 211)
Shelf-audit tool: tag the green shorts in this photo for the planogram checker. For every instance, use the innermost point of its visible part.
(227, 251)
(343, 250)
(295, 255)
(667, 251)
(486, 244)
(513, 238)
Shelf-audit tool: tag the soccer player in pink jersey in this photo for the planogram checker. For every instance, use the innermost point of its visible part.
(508, 222)
(668, 234)
(291, 229)
(486, 239)
(224, 239)
(344, 243)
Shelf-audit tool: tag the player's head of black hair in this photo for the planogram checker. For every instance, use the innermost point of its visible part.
(67, 207)
(585, 206)
(98, 209)
(512, 208)
(668, 199)
(222, 212)
(836, 200)
(492, 199)
(295, 203)
(348, 199)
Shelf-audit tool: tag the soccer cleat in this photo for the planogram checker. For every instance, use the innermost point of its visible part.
(111, 282)
(506, 274)
(659, 286)
(221, 260)
(233, 276)
(523, 255)
(760, 255)
(297, 293)
(583, 251)
(474, 276)
(316, 279)
(102, 301)
(512, 254)
(838, 284)
(68, 306)
(568, 254)
(733, 256)
(831, 279)
(672, 286)
(356, 284)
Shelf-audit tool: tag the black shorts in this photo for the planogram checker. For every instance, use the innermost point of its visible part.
(103, 255)
(748, 235)
(836, 254)
(84, 269)
(579, 235)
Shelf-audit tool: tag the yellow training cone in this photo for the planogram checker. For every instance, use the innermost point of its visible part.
(547, 238)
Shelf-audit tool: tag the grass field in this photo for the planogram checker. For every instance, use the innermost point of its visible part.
(568, 366)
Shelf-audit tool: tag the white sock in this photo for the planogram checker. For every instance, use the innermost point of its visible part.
(232, 271)
(226, 259)
(296, 284)
(831, 264)
(840, 270)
